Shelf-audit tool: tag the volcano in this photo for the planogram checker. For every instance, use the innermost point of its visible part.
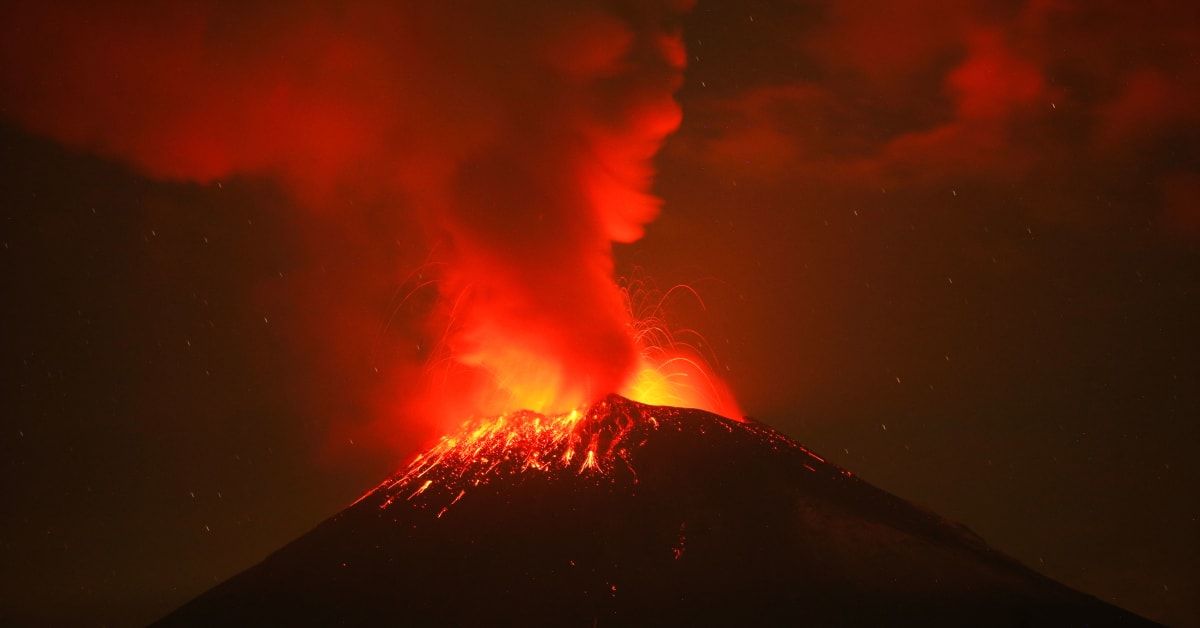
(633, 514)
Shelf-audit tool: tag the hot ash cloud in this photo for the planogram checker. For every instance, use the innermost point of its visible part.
(938, 96)
(519, 134)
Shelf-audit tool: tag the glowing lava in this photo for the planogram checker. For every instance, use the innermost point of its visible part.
(587, 440)
(598, 442)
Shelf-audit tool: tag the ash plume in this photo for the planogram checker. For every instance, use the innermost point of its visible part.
(518, 136)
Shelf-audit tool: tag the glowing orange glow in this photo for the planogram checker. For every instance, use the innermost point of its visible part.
(671, 372)
(681, 381)
(511, 368)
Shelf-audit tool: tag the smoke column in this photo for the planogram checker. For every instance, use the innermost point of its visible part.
(520, 134)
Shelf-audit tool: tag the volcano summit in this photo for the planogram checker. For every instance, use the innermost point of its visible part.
(634, 514)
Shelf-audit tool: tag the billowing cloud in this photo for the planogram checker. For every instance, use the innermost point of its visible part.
(929, 94)
(519, 136)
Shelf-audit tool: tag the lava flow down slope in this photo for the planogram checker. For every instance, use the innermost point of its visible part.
(626, 513)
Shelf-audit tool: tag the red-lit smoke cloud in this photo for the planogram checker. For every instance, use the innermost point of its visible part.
(520, 134)
(940, 95)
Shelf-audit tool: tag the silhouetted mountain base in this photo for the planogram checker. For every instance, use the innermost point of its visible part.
(677, 517)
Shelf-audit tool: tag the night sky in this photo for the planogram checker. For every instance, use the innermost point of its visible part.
(952, 247)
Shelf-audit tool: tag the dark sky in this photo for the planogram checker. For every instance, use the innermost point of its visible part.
(954, 250)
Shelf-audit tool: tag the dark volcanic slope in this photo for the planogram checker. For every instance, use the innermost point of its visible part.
(676, 517)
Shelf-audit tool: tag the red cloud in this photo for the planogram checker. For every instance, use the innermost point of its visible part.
(520, 135)
(939, 95)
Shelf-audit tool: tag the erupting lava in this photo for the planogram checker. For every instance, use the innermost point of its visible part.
(682, 380)
(670, 372)
(505, 376)
(585, 439)
(593, 439)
